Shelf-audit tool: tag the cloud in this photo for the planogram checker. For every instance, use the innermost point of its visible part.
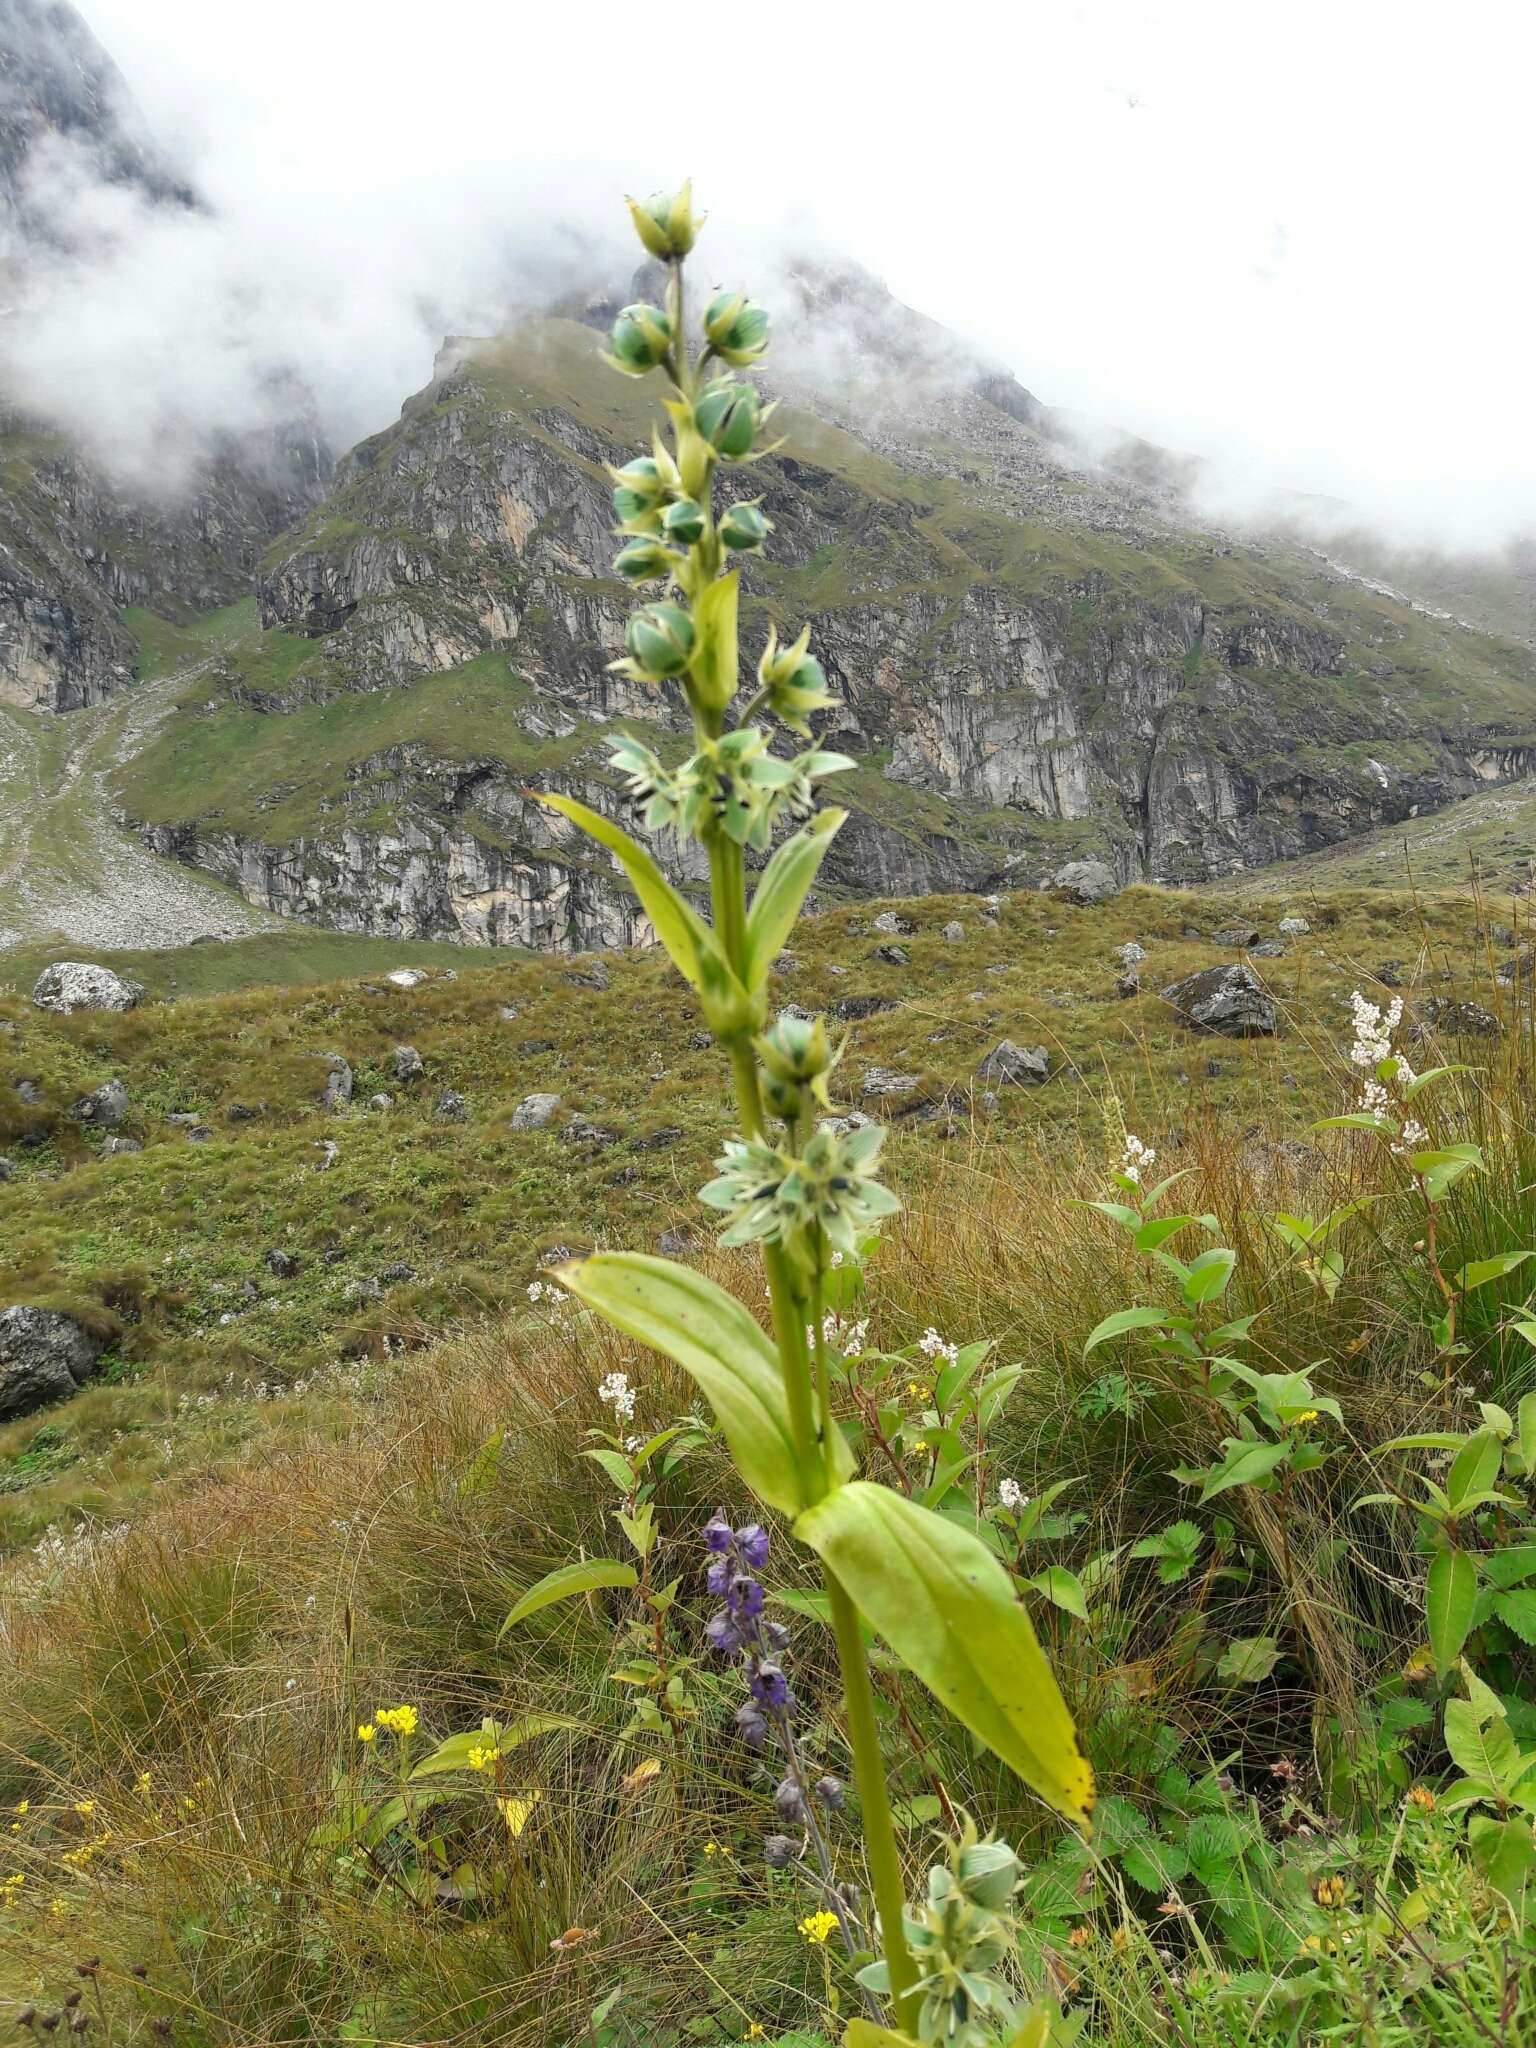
(1290, 247)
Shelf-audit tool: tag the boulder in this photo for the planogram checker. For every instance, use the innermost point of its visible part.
(1268, 949)
(408, 1063)
(850, 1008)
(657, 1141)
(594, 977)
(894, 956)
(7, 1171)
(1229, 1000)
(580, 1130)
(450, 1107)
(1126, 986)
(893, 922)
(1015, 1066)
(1458, 1020)
(78, 985)
(885, 1081)
(405, 977)
(677, 1242)
(1294, 927)
(1085, 881)
(44, 1356)
(1237, 938)
(954, 931)
(117, 1148)
(336, 1095)
(380, 1103)
(104, 1108)
(397, 1274)
(534, 1112)
(1130, 954)
(282, 1265)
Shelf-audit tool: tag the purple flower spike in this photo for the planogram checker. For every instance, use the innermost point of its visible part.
(750, 1725)
(745, 1598)
(770, 1688)
(719, 1576)
(787, 1798)
(776, 1636)
(717, 1534)
(752, 1542)
(723, 1634)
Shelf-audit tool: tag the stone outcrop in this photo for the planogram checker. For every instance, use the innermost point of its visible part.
(81, 985)
(45, 1356)
(1230, 1001)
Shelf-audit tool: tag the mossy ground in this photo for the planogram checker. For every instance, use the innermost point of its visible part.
(162, 1247)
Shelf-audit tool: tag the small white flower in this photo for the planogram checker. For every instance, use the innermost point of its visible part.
(932, 1345)
(618, 1394)
(1012, 1496)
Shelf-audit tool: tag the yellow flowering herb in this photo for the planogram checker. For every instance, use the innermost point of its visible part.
(366, 1732)
(817, 1926)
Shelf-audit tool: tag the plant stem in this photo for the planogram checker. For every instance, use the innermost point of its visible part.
(874, 1803)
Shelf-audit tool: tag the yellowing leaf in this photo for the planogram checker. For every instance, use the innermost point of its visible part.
(641, 1775)
(517, 1812)
(947, 1608)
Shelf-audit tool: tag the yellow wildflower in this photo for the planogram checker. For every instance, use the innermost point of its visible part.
(58, 1906)
(366, 1731)
(481, 1759)
(85, 1808)
(1306, 1415)
(401, 1721)
(1421, 1797)
(713, 1849)
(817, 1926)
(754, 2032)
(1079, 1937)
(1329, 1893)
(22, 1806)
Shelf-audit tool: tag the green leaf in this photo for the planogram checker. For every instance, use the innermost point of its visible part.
(1440, 1170)
(706, 1331)
(716, 651)
(1125, 1319)
(955, 1378)
(565, 1583)
(1481, 1271)
(1358, 1120)
(480, 1474)
(1245, 1463)
(1525, 1429)
(1505, 1854)
(691, 945)
(947, 1608)
(1506, 1568)
(453, 1754)
(1062, 1588)
(1158, 1231)
(1480, 1743)
(618, 1468)
(1474, 1469)
(1426, 1080)
(1247, 1659)
(1450, 1598)
(1517, 1611)
(783, 889)
(1209, 1275)
(865, 2034)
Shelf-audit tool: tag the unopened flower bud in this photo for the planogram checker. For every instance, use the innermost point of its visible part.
(659, 640)
(728, 415)
(666, 222)
(988, 1872)
(778, 1851)
(751, 1725)
(743, 527)
(644, 561)
(832, 1794)
(641, 338)
(735, 328)
(776, 1636)
(683, 522)
(718, 1534)
(639, 488)
(789, 1800)
(794, 680)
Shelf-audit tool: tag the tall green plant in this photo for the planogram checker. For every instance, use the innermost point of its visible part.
(790, 1180)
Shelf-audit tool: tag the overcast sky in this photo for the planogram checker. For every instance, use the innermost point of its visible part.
(1297, 238)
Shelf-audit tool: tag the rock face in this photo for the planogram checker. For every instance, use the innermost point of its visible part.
(78, 985)
(534, 1112)
(44, 1357)
(1229, 1000)
(1176, 726)
(104, 1108)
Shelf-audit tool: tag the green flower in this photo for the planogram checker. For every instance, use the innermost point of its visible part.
(795, 682)
(736, 329)
(659, 641)
(666, 222)
(729, 415)
(640, 490)
(743, 527)
(683, 522)
(771, 1198)
(661, 794)
(796, 1060)
(643, 561)
(642, 338)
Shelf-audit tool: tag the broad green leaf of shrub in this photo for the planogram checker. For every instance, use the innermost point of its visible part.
(1481, 1271)
(1450, 1597)
(721, 1346)
(566, 1583)
(1123, 1320)
(1248, 1659)
(1245, 1462)
(947, 1608)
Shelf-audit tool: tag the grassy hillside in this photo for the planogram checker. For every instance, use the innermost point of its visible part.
(196, 1824)
(165, 1248)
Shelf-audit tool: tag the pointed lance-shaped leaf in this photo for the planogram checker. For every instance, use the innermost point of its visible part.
(783, 889)
(947, 1608)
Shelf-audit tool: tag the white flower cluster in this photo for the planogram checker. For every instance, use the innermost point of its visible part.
(1373, 1030)
(932, 1345)
(616, 1392)
(849, 1338)
(1137, 1157)
(557, 1305)
(1012, 1496)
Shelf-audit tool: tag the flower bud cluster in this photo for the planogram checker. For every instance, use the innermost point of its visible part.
(963, 1938)
(772, 1198)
